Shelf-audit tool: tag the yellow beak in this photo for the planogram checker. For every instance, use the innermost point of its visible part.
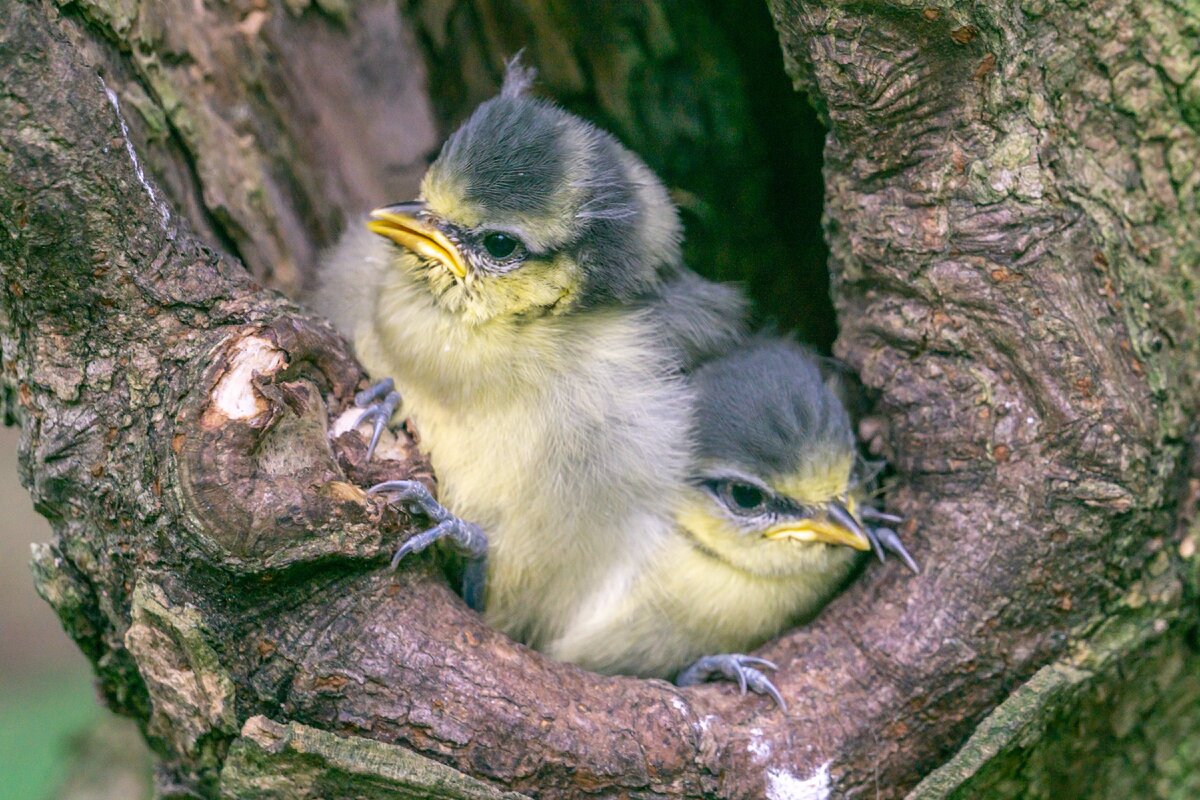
(417, 236)
(827, 531)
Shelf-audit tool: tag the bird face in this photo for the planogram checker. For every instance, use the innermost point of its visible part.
(531, 211)
(479, 272)
(781, 527)
(773, 482)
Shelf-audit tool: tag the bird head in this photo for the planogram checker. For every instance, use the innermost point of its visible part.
(773, 487)
(529, 210)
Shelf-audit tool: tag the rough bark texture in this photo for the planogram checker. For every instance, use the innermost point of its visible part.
(267, 124)
(1011, 205)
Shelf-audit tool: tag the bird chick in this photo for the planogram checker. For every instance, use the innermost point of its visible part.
(533, 311)
(769, 528)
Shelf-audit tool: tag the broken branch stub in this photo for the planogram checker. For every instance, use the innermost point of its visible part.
(262, 485)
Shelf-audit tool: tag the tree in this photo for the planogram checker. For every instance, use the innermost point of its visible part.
(1010, 200)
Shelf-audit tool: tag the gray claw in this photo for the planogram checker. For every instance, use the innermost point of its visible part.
(374, 392)
(883, 538)
(875, 515)
(422, 540)
(415, 495)
(875, 545)
(465, 537)
(734, 667)
(380, 401)
(890, 540)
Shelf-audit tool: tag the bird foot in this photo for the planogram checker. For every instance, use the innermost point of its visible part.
(380, 401)
(884, 538)
(733, 667)
(463, 537)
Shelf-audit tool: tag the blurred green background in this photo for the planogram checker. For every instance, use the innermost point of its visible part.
(49, 714)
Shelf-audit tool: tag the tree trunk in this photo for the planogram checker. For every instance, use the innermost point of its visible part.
(1010, 196)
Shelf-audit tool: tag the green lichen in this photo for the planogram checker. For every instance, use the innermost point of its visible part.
(118, 16)
(1117, 720)
(192, 696)
(150, 111)
(1010, 169)
(297, 762)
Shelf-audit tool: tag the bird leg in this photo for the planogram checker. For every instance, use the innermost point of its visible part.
(884, 538)
(733, 667)
(465, 538)
(380, 401)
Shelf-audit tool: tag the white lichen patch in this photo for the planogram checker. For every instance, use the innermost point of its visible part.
(234, 395)
(783, 785)
(760, 748)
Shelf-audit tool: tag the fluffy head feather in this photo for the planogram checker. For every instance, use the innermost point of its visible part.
(766, 410)
(569, 191)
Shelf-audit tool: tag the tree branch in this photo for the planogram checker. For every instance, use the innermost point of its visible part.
(216, 559)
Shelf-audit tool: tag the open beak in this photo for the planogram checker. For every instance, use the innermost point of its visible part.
(836, 526)
(400, 224)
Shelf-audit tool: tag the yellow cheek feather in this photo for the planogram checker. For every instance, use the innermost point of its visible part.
(789, 548)
(711, 532)
(538, 284)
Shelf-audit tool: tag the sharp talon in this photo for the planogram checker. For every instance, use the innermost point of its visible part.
(380, 413)
(376, 432)
(733, 667)
(759, 662)
(875, 515)
(873, 538)
(891, 540)
(421, 541)
(399, 555)
(763, 685)
(416, 495)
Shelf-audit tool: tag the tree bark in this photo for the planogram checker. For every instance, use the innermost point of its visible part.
(1011, 208)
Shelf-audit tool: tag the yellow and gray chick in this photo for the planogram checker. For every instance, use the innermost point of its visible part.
(533, 311)
(770, 526)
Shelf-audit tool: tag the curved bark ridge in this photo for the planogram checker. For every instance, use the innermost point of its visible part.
(985, 275)
(216, 557)
(245, 112)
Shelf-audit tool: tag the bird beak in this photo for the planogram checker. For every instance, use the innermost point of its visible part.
(400, 224)
(836, 526)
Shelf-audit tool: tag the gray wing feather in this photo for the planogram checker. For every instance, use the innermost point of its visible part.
(700, 319)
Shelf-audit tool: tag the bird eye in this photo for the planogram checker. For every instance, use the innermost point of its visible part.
(745, 498)
(500, 245)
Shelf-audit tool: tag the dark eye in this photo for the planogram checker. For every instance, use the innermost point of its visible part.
(500, 245)
(745, 498)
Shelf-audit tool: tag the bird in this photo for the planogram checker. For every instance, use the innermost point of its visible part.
(772, 524)
(531, 315)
